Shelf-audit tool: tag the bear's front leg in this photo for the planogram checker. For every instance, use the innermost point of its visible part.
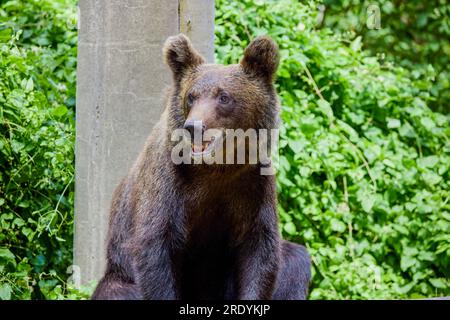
(156, 239)
(259, 259)
(155, 272)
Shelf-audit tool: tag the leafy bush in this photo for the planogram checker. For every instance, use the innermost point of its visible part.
(415, 34)
(364, 162)
(37, 100)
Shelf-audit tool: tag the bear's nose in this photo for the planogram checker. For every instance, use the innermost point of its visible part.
(195, 127)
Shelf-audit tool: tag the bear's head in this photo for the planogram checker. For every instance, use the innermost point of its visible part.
(219, 99)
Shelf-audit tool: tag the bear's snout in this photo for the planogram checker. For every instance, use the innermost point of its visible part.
(195, 127)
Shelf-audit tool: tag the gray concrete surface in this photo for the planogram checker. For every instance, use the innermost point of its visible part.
(121, 80)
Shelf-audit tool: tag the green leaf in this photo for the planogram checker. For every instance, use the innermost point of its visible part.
(431, 178)
(5, 291)
(325, 108)
(29, 233)
(60, 111)
(407, 262)
(5, 35)
(428, 162)
(337, 225)
(29, 85)
(401, 229)
(290, 228)
(296, 145)
(427, 256)
(356, 44)
(284, 73)
(439, 283)
(428, 123)
(367, 203)
(393, 123)
(6, 254)
(406, 130)
(405, 289)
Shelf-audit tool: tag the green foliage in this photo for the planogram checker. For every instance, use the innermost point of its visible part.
(37, 100)
(364, 162)
(415, 34)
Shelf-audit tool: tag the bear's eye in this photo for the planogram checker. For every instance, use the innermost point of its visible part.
(190, 99)
(224, 98)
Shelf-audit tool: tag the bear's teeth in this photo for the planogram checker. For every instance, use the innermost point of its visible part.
(200, 148)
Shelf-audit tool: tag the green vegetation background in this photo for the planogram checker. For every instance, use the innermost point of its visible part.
(364, 160)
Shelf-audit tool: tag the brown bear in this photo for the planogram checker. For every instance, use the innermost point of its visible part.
(204, 231)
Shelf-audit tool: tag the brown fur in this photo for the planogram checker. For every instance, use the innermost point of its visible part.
(203, 231)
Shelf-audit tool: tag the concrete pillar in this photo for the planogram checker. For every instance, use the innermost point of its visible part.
(197, 22)
(120, 86)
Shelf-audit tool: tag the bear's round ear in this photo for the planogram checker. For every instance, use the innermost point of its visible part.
(261, 58)
(180, 55)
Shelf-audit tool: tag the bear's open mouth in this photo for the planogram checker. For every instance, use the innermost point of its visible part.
(204, 148)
